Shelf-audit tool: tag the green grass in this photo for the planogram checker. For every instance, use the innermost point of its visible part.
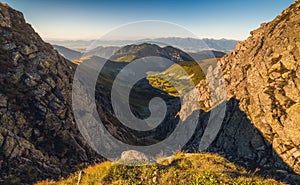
(177, 76)
(180, 78)
(194, 169)
(126, 58)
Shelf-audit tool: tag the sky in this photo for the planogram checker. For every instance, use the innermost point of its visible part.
(90, 19)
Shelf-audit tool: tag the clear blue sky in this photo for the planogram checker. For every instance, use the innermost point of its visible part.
(74, 19)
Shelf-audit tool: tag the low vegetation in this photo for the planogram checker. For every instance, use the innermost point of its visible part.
(126, 58)
(194, 169)
(175, 80)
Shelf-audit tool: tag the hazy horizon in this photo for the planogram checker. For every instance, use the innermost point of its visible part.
(88, 20)
(93, 39)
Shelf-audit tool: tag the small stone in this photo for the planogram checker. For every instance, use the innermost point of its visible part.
(29, 82)
(1, 140)
(28, 133)
(154, 179)
(9, 46)
(292, 151)
(275, 75)
(133, 155)
(16, 57)
(296, 154)
(31, 56)
(289, 62)
(8, 147)
(42, 109)
(46, 64)
(275, 67)
(36, 132)
(292, 91)
(50, 82)
(20, 120)
(281, 98)
(3, 100)
(285, 75)
(27, 50)
(32, 79)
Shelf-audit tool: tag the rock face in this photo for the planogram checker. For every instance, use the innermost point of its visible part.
(263, 74)
(38, 135)
(261, 127)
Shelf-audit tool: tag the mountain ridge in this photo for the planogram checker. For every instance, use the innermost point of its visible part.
(129, 53)
(263, 73)
(38, 134)
(67, 53)
(186, 44)
(107, 52)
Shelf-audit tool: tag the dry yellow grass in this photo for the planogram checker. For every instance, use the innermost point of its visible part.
(194, 169)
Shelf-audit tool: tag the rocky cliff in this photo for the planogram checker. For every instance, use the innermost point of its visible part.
(263, 73)
(38, 135)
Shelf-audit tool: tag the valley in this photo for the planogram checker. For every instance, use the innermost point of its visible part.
(255, 86)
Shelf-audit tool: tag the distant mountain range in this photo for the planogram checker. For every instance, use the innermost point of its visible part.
(145, 49)
(100, 51)
(132, 52)
(68, 53)
(207, 54)
(185, 44)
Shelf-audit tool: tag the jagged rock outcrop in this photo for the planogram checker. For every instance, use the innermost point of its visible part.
(38, 134)
(263, 74)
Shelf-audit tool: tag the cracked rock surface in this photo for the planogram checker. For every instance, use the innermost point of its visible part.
(38, 135)
(263, 73)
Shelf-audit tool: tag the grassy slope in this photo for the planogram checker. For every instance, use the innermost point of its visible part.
(204, 168)
(126, 58)
(162, 80)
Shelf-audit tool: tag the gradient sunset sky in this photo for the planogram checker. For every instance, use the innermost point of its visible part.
(74, 19)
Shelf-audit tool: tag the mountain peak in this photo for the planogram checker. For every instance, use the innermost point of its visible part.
(136, 51)
(263, 73)
(5, 15)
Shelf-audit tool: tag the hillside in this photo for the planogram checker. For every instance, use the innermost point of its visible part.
(132, 52)
(162, 80)
(261, 127)
(100, 51)
(206, 54)
(198, 45)
(263, 74)
(67, 53)
(194, 169)
(38, 135)
(114, 53)
(195, 70)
